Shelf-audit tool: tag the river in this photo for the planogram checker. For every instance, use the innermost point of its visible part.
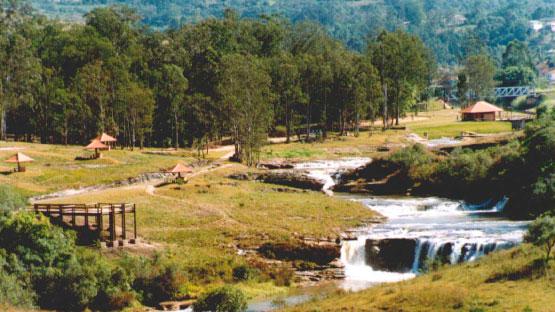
(418, 232)
(421, 230)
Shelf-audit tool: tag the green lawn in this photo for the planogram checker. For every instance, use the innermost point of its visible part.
(55, 167)
(200, 223)
(503, 281)
(455, 129)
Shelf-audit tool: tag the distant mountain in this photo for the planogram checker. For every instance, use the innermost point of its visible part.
(451, 29)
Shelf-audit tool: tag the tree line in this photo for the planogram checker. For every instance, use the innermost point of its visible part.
(452, 29)
(66, 83)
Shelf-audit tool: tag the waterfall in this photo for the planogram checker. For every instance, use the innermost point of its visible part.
(417, 252)
(327, 170)
(441, 231)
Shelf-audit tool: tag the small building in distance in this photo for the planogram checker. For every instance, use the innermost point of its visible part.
(481, 111)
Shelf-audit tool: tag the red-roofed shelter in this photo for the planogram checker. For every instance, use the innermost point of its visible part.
(107, 139)
(19, 158)
(179, 169)
(481, 111)
(96, 145)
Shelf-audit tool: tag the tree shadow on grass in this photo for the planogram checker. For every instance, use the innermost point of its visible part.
(533, 270)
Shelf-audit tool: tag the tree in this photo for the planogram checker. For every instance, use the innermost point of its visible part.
(517, 66)
(92, 84)
(405, 66)
(462, 88)
(286, 85)
(480, 71)
(517, 54)
(245, 91)
(172, 90)
(541, 233)
(223, 299)
(140, 108)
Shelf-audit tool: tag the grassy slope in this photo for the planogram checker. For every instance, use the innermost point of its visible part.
(441, 123)
(55, 167)
(203, 220)
(445, 124)
(479, 286)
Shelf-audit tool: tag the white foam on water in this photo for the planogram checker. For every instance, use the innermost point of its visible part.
(327, 170)
(450, 230)
(359, 275)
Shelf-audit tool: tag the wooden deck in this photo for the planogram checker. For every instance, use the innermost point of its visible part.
(115, 218)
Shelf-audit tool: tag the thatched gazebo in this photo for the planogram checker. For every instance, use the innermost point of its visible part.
(180, 169)
(96, 145)
(107, 140)
(18, 159)
(481, 111)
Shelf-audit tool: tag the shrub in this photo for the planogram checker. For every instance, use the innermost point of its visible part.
(223, 299)
(14, 291)
(10, 199)
(44, 259)
(244, 273)
(34, 241)
(542, 233)
(161, 283)
(278, 132)
(282, 276)
(305, 265)
(413, 156)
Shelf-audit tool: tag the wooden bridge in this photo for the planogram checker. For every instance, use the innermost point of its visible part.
(94, 217)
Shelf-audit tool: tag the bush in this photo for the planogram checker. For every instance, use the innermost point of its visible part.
(278, 132)
(10, 199)
(14, 291)
(44, 259)
(282, 276)
(35, 241)
(161, 282)
(413, 156)
(542, 233)
(244, 273)
(223, 299)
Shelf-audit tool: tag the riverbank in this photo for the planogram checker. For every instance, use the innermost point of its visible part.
(508, 280)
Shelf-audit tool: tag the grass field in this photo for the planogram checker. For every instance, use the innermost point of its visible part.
(502, 281)
(201, 223)
(55, 167)
(437, 124)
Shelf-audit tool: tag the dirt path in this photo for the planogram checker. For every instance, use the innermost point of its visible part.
(229, 149)
(147, 186)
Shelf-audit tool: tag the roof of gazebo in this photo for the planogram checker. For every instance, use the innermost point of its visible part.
(106, 138)
(180, 168)
(96, 144)
(481, 107)
(19, 158)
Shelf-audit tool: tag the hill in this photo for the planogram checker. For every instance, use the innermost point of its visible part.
(450, 29)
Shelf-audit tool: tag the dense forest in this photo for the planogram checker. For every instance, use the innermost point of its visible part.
(451, 29)
(227, 77)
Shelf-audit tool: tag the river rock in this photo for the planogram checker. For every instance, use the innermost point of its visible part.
(392, 254)
(276, 165)
(291, 178)
(316, 253)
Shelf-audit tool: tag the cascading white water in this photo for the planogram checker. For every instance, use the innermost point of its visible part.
(327, 170)
(438, 229)
(442, 230)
